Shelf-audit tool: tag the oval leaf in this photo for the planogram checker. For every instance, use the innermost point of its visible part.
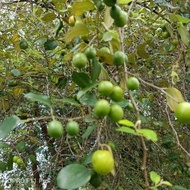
(167, 183)
(79, 29)
(148, 134)
(126, 130)
(48, 17)
(8, 125)
(39, 98)
(155, 177)
(173, 97)
(126, 123)
(73, 176)
(81, 6)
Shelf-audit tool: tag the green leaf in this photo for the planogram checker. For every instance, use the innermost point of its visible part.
(167, 183)
(81, 79)
(88, 99)
(15, 72)
(49, 17)
(185, 36)
(142, 52)
(88, 131)
(8, 125)
(173, 97)
(178, 18)
(126, 123)
(178, 187)
(148, 134)
(124, 1)
(78, 8)
(21, 146)
(39, 98)
(155, 177)
(86, 89)
(4, 145)
(127, 130)
(69, 101)
(50, 44)
(10, 162)
(2, 166)
(96, 67)
(79, 29)
(73, 176)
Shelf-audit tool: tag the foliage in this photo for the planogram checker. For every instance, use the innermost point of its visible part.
(38, 83)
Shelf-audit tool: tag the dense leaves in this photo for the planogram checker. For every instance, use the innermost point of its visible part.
(39, 83)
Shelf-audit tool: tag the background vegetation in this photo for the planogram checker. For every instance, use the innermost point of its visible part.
(37, 80)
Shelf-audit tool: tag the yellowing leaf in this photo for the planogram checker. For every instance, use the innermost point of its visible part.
(81, 6)
(79, 29)
(17, 91)
(48, 17)
(107, 18)
(141, 51)
(173, 97)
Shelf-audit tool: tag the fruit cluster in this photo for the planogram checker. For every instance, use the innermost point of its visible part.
(120, 16)
(103, 108)
(55, 128)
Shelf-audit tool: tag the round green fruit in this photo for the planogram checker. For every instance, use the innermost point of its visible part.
(115, 11)
(122, 20)
(105, 88)
(55, 129)
(165, 35)
(117, 94)
(15, 158)
(19, 161)
(182, 112)
(175, 42)
(116, 113)
(101, 108)
(110, 3)
(90, 52)
(133, 83)
(102, 162)
(72, 128)
(119, 58)
(80, 60)
(23, 44)
(105, 49)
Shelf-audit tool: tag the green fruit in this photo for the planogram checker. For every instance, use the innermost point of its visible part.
(15, 158)
(115, 11)
(175, 42)
(117, 94)
(105, 88)
(165, 35)
(23, 44)
(90, 52)
(101, 108)
(110, 3)
(80, 60)
(55, 129)
(72, 128)
(182, 112)
(119, 58)
(105, 49)
(133, 83)
(102, 162)
(122, 20)
(116, 113)
(72, 20)
(19, 161)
